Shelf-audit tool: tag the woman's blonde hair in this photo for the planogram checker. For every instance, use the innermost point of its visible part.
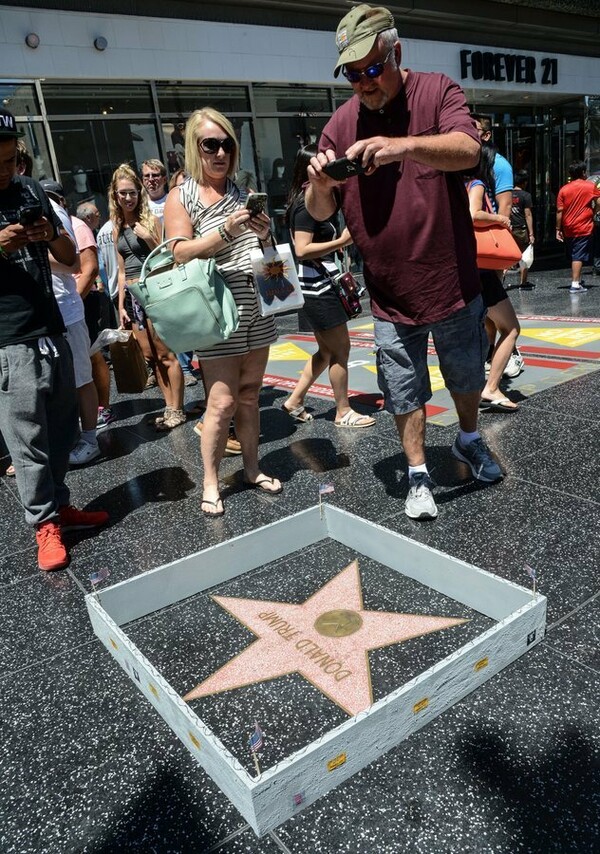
(193, 159)
(142, 210)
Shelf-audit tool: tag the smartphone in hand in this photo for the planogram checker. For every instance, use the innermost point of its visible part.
(256, 203)
(343, 168)
(29, 214)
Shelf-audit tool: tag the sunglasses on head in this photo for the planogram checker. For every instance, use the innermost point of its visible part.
(370, 73)
(211, 145)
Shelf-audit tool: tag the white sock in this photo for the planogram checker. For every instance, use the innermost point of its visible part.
(417, 470)
(89, 436)
(466, 438)
(575, 284)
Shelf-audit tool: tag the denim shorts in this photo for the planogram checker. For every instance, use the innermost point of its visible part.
(402, 373)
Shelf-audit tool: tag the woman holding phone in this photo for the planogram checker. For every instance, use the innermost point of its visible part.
(136, 232)
(315, 245)
(210, 210)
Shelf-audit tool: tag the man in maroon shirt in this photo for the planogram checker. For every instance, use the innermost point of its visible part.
(409, 218)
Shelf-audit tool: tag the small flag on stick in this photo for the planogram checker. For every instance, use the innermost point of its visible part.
(255, 743)
(531, 573)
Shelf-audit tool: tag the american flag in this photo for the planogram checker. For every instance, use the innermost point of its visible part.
(326, 488)
(255, 741)
(530, 571)
(100, 575)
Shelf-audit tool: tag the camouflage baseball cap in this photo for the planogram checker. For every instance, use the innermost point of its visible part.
(357, 32)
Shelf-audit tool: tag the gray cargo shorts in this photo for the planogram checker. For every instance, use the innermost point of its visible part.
(402, 373)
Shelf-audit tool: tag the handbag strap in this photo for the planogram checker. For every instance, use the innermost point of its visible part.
(147, 266)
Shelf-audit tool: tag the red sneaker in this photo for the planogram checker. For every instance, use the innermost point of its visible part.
(52, 553)
(72, 519)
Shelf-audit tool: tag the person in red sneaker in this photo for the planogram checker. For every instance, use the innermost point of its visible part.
(38, 403)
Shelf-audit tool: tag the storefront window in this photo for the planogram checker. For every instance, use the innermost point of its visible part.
(278, 140)
(340, 96)
(174, 145)
(20, 99)
(89, 151)
(295, 98)
(37, 146)
(181, 100)
(99, 99)
(593, 138)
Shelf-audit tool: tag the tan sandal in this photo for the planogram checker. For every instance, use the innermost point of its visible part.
(160, 418)
(175, 418)
(355, 419)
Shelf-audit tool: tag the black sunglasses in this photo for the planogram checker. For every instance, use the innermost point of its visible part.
(211, 145)
(371, 72)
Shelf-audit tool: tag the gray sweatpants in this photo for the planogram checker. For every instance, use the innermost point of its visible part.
(38, 419)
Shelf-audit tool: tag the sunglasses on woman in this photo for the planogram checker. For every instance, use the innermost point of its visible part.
(211, 145)
(370, 73)
(123, 194)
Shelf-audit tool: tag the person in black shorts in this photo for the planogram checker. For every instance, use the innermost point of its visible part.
(500, 311)
(315, 246)
(521, 219)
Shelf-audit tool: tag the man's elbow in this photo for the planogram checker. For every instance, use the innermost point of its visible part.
(472, 153)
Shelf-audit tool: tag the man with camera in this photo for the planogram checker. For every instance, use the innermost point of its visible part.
(38, 404)
(410, 138)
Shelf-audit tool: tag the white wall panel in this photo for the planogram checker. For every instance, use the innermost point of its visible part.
(153, 48)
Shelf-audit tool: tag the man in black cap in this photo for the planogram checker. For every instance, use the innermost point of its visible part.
(38, 404)
(409, 218)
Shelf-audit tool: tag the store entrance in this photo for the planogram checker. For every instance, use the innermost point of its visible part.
(542, 140)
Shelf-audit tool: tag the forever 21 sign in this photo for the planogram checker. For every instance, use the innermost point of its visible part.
(509, 67)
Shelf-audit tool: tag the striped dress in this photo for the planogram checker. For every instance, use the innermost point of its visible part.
(233, 263)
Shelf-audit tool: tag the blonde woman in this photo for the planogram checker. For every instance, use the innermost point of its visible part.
(209, 209)
(136, 232)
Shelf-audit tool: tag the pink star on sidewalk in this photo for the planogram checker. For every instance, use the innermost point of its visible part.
(326, 640)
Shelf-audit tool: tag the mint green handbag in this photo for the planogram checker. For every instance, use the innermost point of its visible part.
(190, 304)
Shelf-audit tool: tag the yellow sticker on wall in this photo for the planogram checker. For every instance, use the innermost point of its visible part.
(335, 763)
(422, 704)
(479, 665)
(114, 644)
(153, 689)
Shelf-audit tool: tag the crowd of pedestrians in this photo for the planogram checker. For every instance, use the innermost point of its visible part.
(428, 170)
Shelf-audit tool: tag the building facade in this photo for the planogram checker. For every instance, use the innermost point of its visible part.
(92, 90)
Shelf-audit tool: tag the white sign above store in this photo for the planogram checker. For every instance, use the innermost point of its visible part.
(508, 67)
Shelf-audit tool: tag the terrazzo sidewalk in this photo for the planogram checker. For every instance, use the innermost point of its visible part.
(88, 767)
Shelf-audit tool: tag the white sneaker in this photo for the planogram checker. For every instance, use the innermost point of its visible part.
(514, 366)
(419, 502)
(576, 289)
(83, 453)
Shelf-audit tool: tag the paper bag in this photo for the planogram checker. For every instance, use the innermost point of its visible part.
(277, 285)
(129, 365)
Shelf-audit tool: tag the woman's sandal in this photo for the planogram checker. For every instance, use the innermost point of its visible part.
(259, 484)
(214, 504)
(174, 419)
(298, 414)
(354, 419)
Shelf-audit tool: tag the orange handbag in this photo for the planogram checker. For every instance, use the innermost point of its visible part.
(496, 247)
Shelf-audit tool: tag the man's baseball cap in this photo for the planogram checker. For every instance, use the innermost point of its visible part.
(357, 32)
(8, 125)
(52, 188)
